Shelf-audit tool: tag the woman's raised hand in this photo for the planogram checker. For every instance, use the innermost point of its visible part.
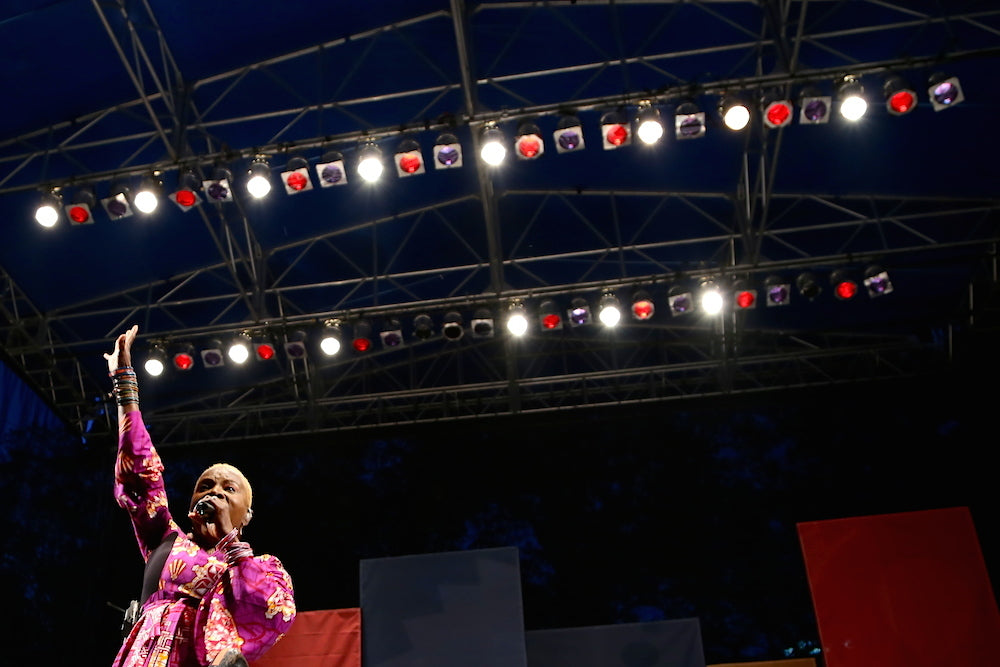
(121, 355)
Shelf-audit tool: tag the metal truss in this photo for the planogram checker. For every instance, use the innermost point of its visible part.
(173, 122)
(688, 369)
(567, 241)
(438, 380)
(582, 257)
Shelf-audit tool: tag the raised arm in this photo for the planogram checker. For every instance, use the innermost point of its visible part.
(139, 487)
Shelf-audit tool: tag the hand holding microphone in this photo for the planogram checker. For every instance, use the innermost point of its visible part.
(204, 508)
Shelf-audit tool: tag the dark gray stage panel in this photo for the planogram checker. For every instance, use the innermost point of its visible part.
(655, 644)
(452, 609)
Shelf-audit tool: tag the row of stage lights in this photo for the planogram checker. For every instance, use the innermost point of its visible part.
(616, 131)
(710, 298)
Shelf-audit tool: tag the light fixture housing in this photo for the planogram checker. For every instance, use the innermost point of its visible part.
(391, 334)
(944, 91)
(295, 177)
(259, 178)
(689, 121)
(218, 189)
(423, 326)
(744, 296)
(568, 136)
(212, 355)
(643, 308)
(649, 125)
(851, 99)
(361, 336)
(183, 357)
(517, 319)
(877, 281)
(330, 170)
(186, 196)
(610, 310)
(447, 152)
(263, 347)
(814, 107)
(680, 300)
(147, 197)
(332, 338)
(370, 165)
(615, 131)
(295, 345)
(808, 285)
(734, 112)
(550, 316)
(710, 299)
(777, 110)
(492, 149)
(47, 213)
(156, 360)
(845, 286)
(482, 325)
(578, 313)
(116, 205)
(452, 327)
(239, 349)
(408, 159)
(81, 210)
(528, 144)
(777, 291)
(900, 98)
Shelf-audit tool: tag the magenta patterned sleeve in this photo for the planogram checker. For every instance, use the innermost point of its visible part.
(250, 609)
(139, 487)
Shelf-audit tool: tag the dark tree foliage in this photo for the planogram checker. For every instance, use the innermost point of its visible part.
(54, 521)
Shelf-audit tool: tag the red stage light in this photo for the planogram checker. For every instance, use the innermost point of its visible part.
(297, 181)
(529, 146)
(185, 198)
(616, 135)
(265, 351)
(642, 309)
(901, 102)
(362, 340)
(79, 214)
(409, 163)
(846, 289)
(550, 316)
(778, 113)
(746, 298)
(183, 361)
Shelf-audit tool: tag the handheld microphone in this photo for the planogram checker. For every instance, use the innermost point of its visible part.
(204, 508)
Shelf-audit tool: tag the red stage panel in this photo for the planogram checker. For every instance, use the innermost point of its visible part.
(791, 662)
(329, 638)
(901, 590)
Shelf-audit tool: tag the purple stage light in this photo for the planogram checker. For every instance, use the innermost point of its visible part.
(448, 155)
(569, 140)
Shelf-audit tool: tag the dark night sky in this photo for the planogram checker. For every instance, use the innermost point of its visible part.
(684, 509)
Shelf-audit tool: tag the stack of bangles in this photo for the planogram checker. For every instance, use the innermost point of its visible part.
(234, 549)
(126, 389)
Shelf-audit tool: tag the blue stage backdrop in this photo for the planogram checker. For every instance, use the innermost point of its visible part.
(451, 609)
(655, 644)
(20, 407)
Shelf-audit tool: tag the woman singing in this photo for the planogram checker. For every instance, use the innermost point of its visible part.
(206, 598)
